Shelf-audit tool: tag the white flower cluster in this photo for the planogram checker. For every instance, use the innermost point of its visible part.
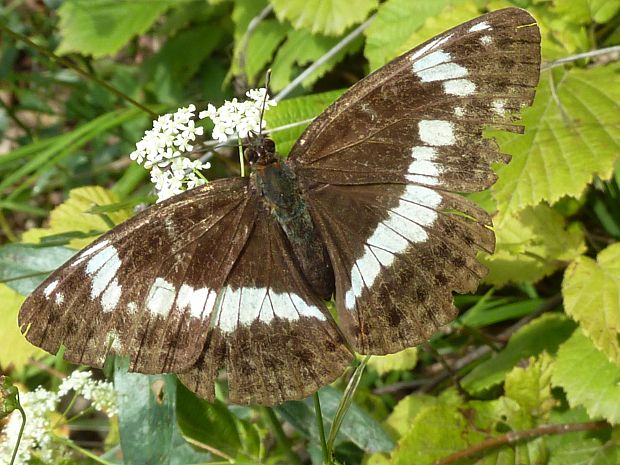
(101, 394)
(238, 118)
(161, 151)
(37, 438)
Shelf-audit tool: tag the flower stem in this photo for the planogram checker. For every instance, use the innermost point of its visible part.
(327, 456)
(241, 161)
(21, 432)
(85, 452)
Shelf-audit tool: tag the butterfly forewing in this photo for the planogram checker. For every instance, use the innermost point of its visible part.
(145, 289)
(277, 340)
(392, 152)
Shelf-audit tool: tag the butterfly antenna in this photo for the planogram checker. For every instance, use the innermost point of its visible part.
(262, 110)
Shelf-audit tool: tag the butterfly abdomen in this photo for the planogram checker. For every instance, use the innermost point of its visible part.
(277, 186)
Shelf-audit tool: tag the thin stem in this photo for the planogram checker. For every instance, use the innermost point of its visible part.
(21, 431)
(518, 436)
(81, 72)
(85, 452)
(210, 449)
(579, 56)
(241, 161)
(330, 53)
(283, 440)
(327, 458)
(345, 403)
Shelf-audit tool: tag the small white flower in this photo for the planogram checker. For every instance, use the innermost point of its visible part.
(100, 393)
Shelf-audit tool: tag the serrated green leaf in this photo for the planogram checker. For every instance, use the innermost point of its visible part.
(146, 405)
(261, 46)
(23, 267)
(588, 378)
(296, 110)
(73, 216)
(587, 451)
(209, 423)
(591, 291)
(102, 27)
(301, 48)
(530, 387)
(15, 350)
(403, 360)
(572, 134)
(586, 11)
(329, 17)
(532, 244)
(396, 21)
(545, 333)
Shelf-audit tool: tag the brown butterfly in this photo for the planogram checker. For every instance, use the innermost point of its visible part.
(366, 208)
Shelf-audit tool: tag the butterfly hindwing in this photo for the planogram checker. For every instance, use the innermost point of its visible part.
(382, 168)
(276, 339)
(146, 288)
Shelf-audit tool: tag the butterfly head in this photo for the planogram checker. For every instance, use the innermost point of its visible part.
(260, 150)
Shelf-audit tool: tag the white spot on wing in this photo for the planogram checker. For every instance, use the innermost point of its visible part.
(486, 40)
(59, 298)
(160, 298)
(430, 46)
(50, 288)
(436, 132)
(437, 66)
(498, 107)
(103, 267)
(132, 308)
(482, 26)
(89, 251)
(111, 296)
(459, 112)
(459, 87)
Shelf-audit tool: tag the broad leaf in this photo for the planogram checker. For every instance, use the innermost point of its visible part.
(329, 17)
(530, 387)
(146, 405)
(102, 27)
(23, 267)
(261, 46)
(588, 378)
(572, 135)
(588, 11)
(588, 451)
(73, 216)
(543, 334)
(403, 360)
(591, 291)
(15, 350)
(396, 21)
(532, 244)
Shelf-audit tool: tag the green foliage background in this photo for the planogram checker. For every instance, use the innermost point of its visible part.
(538, 347)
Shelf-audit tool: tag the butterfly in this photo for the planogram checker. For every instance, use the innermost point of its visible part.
(366, 210)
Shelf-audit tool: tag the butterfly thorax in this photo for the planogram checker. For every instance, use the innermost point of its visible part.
(279, 191)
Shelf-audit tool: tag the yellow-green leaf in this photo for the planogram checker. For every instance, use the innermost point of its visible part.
(102, 27)
(329, 17)
(591, 291)
(572, 134)
(72, 217)
(588, 378)
(532, 244)
(530, 386)
(403, 360)
(15, 350)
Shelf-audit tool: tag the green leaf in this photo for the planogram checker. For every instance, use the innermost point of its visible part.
(329, 17)
(211, 424)
(102, 27)
(532, 244)
(545, 333)
(302, 48)
(591, 291)
(572, 134)
(588, 378)
(15, 350)
(23, 267)
(296, 110)
(490, 311)
(587, 11)
(403, 360)
(530, 387)
(358, 427)
(146, 405)
(73, 216)
(588, 451)
(261, 46)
